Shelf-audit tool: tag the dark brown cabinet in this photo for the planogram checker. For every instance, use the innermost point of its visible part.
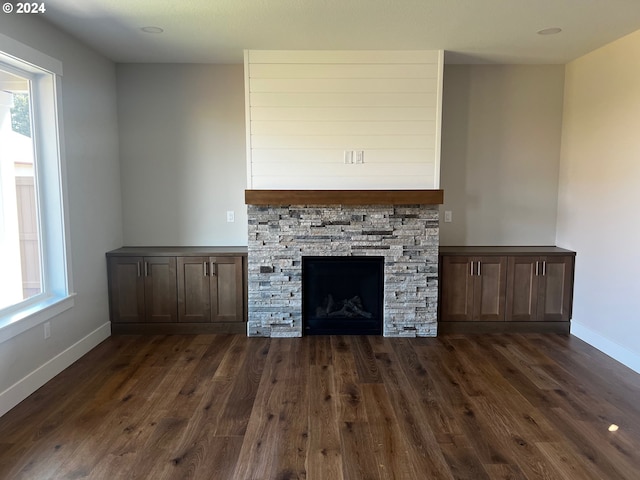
(539, 288)
(484, 289)
(475, 288)
(210, 289)
(177, 290)
(143, 289)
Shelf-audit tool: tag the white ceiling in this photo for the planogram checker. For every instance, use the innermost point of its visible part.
(471, 31)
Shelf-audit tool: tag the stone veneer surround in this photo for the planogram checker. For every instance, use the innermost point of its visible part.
(407, 236)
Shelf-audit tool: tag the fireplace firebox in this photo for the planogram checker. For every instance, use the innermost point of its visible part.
(342, 295)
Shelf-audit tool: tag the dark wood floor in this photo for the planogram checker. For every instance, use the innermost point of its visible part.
(329, 408)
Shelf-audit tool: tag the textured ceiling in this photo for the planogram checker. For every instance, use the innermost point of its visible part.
(471, 31)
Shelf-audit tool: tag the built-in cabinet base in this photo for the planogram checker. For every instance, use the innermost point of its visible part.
(177, 328)
(504, 327)
(182, 290)
(505, 289)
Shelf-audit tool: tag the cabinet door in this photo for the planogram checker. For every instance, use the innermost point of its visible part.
(457, 289)
(194, 303)
(126, 289)
(522, 289)
(555, 284)
(490, 285)
(226, 289)
(160, 291)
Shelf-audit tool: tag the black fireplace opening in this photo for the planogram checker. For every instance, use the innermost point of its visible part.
(342, 295)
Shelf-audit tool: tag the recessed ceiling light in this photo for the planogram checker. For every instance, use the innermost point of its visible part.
(549, 31)
(152, 29)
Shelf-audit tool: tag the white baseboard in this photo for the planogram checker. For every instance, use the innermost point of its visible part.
(611, 348)
(41, 375)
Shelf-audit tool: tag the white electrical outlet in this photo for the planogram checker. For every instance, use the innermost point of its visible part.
(448, 218)
(231, 216)
(47, 330)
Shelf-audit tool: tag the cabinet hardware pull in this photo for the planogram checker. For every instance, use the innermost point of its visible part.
(479, 270)
(471, 269)
(537, 269)
(138, 267)
(204, 268)
(544, 268)
(146, 269)
(214, 270)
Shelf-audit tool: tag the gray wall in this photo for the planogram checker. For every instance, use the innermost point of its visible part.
(183, 155)
(600, 193)
(500, 153)
(93, 177)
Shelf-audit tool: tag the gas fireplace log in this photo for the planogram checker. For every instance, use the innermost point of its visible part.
(356, 305)
(349, 308)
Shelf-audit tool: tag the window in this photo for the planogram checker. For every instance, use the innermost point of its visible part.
(20, 257)
(34, 280)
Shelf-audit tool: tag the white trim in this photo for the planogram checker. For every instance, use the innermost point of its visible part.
(65, 229)
(607, 346)
(247, 113)
(27, 318)
(22, 53)
(436, 167)
(41, 375)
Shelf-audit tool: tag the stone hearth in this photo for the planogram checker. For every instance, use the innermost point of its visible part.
(407, 236)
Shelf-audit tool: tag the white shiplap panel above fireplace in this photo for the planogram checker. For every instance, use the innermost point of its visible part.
(306, 108)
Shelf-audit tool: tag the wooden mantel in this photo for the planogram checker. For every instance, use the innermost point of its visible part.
(344, 197)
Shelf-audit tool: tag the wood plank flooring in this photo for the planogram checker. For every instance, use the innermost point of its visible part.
(330, 408)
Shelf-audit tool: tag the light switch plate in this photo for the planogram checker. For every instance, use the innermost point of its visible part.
(348, 157)
(448, 218)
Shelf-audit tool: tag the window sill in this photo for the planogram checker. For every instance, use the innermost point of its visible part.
(18, 322)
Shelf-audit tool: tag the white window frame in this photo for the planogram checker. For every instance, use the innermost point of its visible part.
(45, 73)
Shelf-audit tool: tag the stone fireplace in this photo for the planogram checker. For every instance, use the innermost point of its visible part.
(345, 223)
